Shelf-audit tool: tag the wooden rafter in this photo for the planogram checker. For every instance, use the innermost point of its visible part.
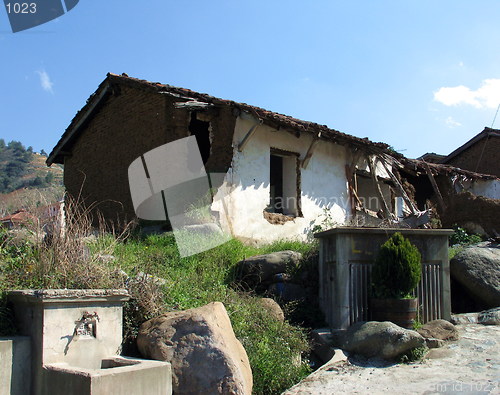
(434, 186)
(310, 150)
(399, 187)
(247, 137)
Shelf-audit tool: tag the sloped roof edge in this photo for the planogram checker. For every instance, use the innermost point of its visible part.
(487, 132)
(280, 120)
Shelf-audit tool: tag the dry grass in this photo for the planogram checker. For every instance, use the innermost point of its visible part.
(76, 256)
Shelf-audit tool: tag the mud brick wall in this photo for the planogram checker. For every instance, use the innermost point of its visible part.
(129, 123)
(490, 161)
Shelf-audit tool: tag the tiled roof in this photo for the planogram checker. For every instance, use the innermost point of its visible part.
(21, 216)
(274, 119)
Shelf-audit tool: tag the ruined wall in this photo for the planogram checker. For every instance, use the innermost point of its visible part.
(477, 214)
(127, 125)
(490, 160)
(323, 184)
(486, 188)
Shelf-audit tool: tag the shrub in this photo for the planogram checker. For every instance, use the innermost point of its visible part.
(397, 269)
(413, 355)
(463, 238)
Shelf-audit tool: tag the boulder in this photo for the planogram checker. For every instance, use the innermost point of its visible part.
(200, 344)
(322, 348)
(379, 339)
(273, 308)
(439, 329)
(489, 317)
(430, 342)
(464, 319)
(261, 268)
(477, 269)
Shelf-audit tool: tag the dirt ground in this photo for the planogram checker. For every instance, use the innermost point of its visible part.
(470, 365)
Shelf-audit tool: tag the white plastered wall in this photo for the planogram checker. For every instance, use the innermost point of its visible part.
(323, 184)
(486, 188)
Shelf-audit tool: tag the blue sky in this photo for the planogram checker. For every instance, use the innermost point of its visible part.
(422, 76)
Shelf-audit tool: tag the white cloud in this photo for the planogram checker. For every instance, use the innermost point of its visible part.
(45, 81)
(451, 123)
(486, 96)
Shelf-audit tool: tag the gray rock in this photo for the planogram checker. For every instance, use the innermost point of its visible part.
(321, 344)
(380, 339)
(261, 268)
(200, 344)
(439, 329)
(489, 317)
(149, 278)
(464, 319)
(430, 342)
(477, 269)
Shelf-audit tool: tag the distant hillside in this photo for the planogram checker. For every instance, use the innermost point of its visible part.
(25, 179)
(21, 168)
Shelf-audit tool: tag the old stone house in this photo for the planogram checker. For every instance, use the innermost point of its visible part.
(284, 175)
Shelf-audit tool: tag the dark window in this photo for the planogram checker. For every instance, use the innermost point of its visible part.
(284, 183)
(201, 130)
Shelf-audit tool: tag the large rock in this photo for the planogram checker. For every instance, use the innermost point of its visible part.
(477, 269)
(439, 329)
(260, 269)
(273, 308)
(489, 317)
(379, 339)
(200, 344)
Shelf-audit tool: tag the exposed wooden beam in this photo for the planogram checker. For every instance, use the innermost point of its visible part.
(399, 187)
(378, 188)
(310, 150)
(193, 105)
(434, 186)
(248, 136)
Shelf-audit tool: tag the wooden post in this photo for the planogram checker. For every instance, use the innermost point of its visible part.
(248, 135)
(434, 185)
(310, 150)
(385, 208)
(405, 196)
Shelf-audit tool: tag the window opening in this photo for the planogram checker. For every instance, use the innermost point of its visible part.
(201, 130)
(283, 183)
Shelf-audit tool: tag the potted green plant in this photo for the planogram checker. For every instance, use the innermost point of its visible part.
(395, 275)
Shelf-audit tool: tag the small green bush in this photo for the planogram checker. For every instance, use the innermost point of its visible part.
(397, 269)
(463, 238)
(413, 355)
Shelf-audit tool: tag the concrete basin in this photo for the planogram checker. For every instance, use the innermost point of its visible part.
(117, 376)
